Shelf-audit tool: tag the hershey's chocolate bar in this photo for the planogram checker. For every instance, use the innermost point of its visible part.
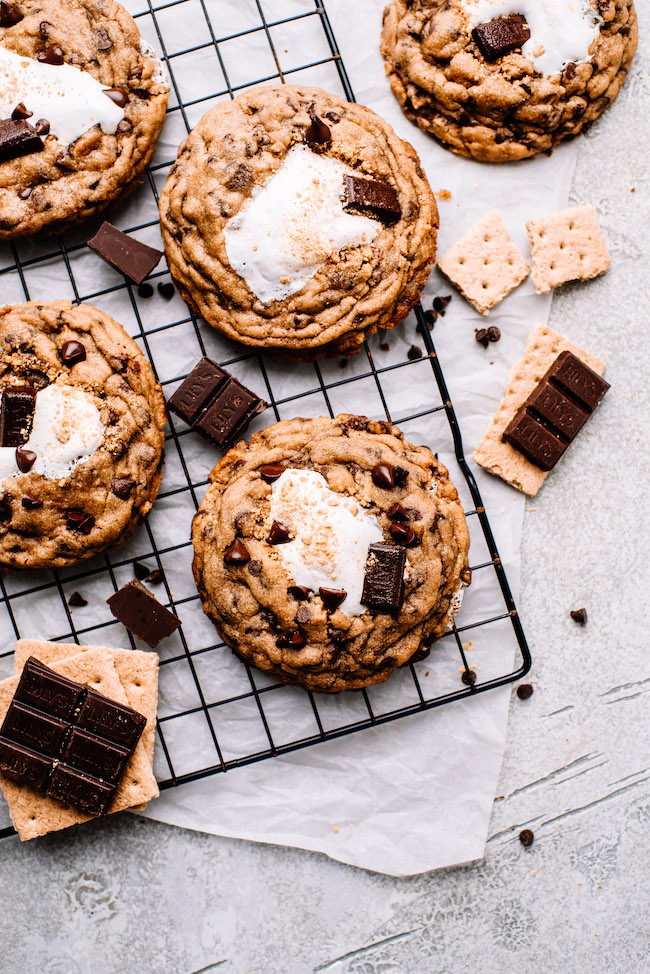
(501, 36)
(132, 258)
(383, 584)
(555, 411)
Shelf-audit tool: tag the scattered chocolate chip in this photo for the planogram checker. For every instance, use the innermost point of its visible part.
(383, 583)
(166, 289)
(414, 353)
(72, 353)
(420, 654)
(524, 691)
(293, 640)
(9, 15)
(145, 290)
(25, 459)
(430, 317)
(403, 535)
(299, 592)
(397, 513)
(102, 40)
(579, 616)
(25, 192)
(482, 337)
(332, 598)
(42, 127)
(77, 601)
(237, 554)
(117, 95)
(52, 55)
(16, 414)
(343, 363)
(501, 36)
(20, 111)
(526, 838)
(272, 471)
(122, 488)
(383, 475)
(318, 133)
(140, 571)
(31, 503)
(372, 198)
(440, 304)
(493, 333)
(154, 577)
(142, 614)
(278, 534)
(79, 521)
(303, 614)
(126, 254)
(18, 138)
(468, 677)
(385, 347)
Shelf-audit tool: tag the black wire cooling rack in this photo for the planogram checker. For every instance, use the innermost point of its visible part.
(216, 713)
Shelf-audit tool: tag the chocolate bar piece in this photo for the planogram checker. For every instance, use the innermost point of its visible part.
(555, 411)
(67, 740)
(126, 254)
(142, 614)
(18, 138)
(501, 36)
(215, 404)
(16, 414)
(383, 584)
(371, 198)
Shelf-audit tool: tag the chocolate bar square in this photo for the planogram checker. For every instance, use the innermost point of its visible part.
(383, 584)
(501, 36)
(16, 414)
(143, 615)
(132, 258)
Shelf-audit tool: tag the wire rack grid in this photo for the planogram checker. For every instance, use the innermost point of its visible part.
(216, 713)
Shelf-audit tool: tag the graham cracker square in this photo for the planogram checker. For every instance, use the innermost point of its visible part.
(567, 246)
(542, 348)
(485, 265)
(34, 814)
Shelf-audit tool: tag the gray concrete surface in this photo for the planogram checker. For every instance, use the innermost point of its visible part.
(141, 897)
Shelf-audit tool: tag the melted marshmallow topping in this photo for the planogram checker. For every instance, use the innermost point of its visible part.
(67, 430)
(561, 31)
(293, 224)
(332, 534)
(71, 100)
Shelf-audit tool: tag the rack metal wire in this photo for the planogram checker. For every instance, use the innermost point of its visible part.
(233, 714)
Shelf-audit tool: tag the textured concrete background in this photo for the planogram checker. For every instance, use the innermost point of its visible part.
(129, 895)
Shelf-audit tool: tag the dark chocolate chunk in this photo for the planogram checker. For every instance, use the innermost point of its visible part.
(142, 614)
(118, 95)
(72, 352)
(154, 577)
(291, 640)
(166, 289)
(318, 133)
(27, 766)
(52, 55)
(482, 337)
(140, 571)
(42, 127)
(371, 198)
(493, 333)
(237, 554)
(79, 521)
(414, 353)
(126, 254)
(10, 15)
(524, 691)
(272, 471)
(579, 616)
(383, 475)
(18, 138)
(20, 111)
(31, 503)
(16, 414)
(501, 36)
(123, 487)
(332, 598)
(278, 534)
(403, 535)
(145, 290)
(74, 787)
(555, 411)
(25, 459)
(383, 584)
(102, 40)
(468, 677)
(526, 838)
(397, 513)
(77, 601)
(299, 592)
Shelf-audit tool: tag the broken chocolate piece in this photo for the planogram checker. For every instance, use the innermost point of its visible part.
(126, 254)
(25, 459)
(9, 15)
(52, 55)
(383, 584)
(318, 133)
(555, 411)
(237, 554)
(372, 198)
(16, 414)
(18, 138)
(278, 534)
(142, 614)
(383, 475)
(198, 390)
(272, 471)
(501, 36)
(332, 598)
(579, 616)
(72, 352)
(122, 487)
(291, 640)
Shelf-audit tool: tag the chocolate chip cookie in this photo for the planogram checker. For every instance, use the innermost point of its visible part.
(297, 222)
(81, 434)
(82, 102)
(500, 81)
(327, 552)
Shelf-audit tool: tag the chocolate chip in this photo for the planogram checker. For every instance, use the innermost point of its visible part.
(52, 55)
(78, 521)
(140, 571)
(299, 592)
(255, 567)
(42, 127)
(9, 15)
(414, 353)
(482, 337)
(241, 179)
(25, 459)
(332, 597)
(397, 513)
(303, 614)
(145, 290)
(293, 640)
(385, 347)
(526, 838)
(524, 691)
(124, 126)
(271, 471)
(21, 111)
(440, 304)
(72, 352)
(237, 554)
(430, 317)
(403, 535)
(579, 616)
(166, 289)
(420, 654)
(102, 40)
(31, 503)
(383, 475)
(318, 133)
(332, 117)
(122, 488)
(278, 534)
(26, 192)
(570, 70)
(118, 95)
(401, 476)
(468, 677)
(155, 577)
(493, 333)
(77, 601)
